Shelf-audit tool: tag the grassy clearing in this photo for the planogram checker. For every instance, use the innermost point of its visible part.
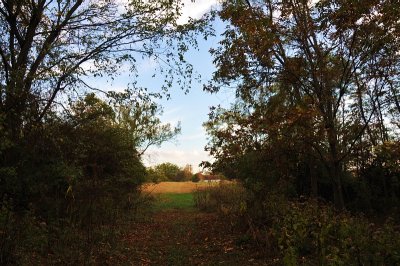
(168, 201)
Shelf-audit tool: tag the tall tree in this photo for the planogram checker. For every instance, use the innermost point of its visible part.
(323, 55)
(47, 47)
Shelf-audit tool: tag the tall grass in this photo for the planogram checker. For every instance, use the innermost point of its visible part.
(227, 199)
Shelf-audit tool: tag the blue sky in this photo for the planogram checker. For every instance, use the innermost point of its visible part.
(190, 109)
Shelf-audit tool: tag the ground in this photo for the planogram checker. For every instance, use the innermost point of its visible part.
(178, 234)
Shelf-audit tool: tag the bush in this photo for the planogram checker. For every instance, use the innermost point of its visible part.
(304, 231)
(26, 239)
(314, 233)
(311, 233)
(73, 181)
(195, 178)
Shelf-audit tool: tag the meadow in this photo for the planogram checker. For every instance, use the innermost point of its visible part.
(179, 233)
(174, 187)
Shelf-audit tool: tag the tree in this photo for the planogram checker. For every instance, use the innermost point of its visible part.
(74, 162)
(140, 116)
(103, 153)
(164, 172)
(47, 48)
(184, 174)
(169, 172)
(318, 58)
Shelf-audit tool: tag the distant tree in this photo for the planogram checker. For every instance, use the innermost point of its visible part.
(169, 172)
(184, 174)
(153, 176)
(164, 172)
(195, 178)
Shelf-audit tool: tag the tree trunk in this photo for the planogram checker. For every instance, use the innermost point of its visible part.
(313, 178)
(335, 171)
(336, 177)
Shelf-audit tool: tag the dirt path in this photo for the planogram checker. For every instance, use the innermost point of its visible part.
(181, 237)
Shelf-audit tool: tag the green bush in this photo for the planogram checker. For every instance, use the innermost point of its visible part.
(91, 239)
(195, 178)
(314, 233)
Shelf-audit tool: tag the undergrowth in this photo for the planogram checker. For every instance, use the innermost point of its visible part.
(304, 232)
(89, 236)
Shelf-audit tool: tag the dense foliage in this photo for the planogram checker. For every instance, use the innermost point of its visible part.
(77, 171)
(313, 129)
(316, 111)
(70, 161)
(305, 232)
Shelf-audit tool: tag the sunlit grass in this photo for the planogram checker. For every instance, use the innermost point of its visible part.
(168, 201)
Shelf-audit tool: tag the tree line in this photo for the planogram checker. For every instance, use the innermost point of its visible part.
(169, 172)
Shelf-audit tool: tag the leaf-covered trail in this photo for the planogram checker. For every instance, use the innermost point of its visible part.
(181, 237)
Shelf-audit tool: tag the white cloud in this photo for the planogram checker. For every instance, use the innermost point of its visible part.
(197, 135)
(191, 8)
(173, 116)
(195, 9)
(173, 111)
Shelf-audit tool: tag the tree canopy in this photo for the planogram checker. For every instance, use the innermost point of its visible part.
(47, 48)
(315, 81)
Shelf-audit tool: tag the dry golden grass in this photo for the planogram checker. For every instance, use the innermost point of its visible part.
(174, 187)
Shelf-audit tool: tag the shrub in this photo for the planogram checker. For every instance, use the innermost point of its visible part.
(313, 233)
(304, 231)
(69, 188)
(195, 178)
(26, 239)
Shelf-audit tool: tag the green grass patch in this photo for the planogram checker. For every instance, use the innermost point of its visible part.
(182, 201)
